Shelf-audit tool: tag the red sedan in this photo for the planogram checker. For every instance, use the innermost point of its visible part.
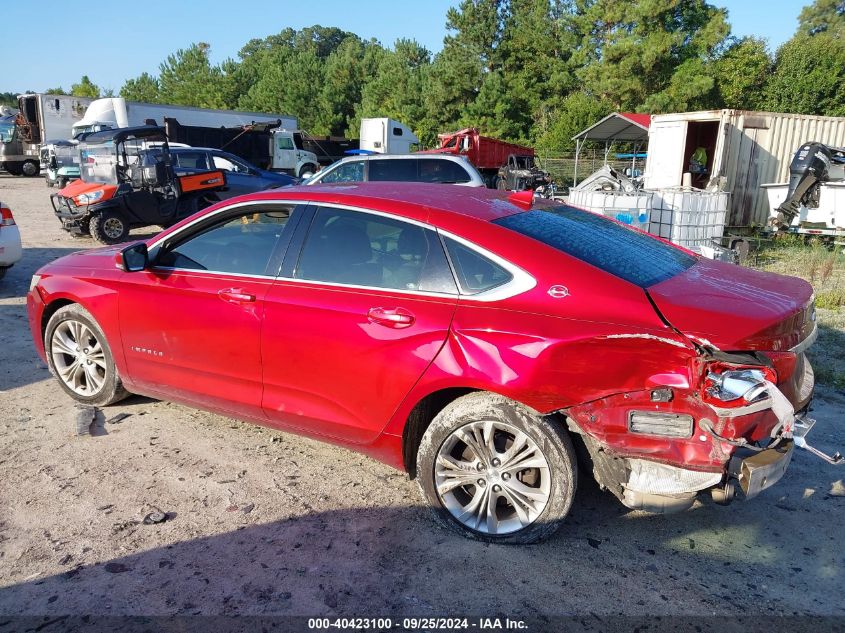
(482, 344)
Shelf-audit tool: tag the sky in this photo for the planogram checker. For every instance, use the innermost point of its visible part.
(129, 38)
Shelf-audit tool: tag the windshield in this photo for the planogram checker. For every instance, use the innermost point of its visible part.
(7, 132)
(631, 255)
(98, 163)
(110, 163)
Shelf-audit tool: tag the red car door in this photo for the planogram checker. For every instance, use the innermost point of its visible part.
(191, 323)
(353, 323)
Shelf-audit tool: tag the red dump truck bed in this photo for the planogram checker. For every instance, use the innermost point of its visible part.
(482, 151)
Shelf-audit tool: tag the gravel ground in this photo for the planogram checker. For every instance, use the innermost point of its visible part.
(262, 522)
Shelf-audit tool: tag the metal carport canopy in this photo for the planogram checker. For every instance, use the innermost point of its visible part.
(619, 126)
(626, 127)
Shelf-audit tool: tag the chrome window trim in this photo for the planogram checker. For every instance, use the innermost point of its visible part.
(521, 282)
(214, 272)
(222, 210)
(807, 342)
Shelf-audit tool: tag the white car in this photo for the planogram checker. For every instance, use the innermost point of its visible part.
(10, 240)
(453, 170)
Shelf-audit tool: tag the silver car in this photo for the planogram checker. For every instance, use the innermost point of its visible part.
(453, 170)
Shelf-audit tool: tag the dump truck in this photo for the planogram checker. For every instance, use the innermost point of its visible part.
(488, 155)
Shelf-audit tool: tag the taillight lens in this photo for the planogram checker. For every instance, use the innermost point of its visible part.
(6, 218)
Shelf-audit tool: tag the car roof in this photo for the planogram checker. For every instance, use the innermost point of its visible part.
(122, 134)
(417, 156)
(413, 200)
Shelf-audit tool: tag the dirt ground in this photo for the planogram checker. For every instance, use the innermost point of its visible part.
(262, 522)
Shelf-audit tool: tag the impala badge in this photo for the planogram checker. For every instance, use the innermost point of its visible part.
(558, 292)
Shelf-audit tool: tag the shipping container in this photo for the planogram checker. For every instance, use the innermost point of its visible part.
(746, 149)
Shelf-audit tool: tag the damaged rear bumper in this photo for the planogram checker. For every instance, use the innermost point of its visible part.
(744, 448)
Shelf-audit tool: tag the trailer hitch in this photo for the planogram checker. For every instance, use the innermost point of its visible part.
(800, 427)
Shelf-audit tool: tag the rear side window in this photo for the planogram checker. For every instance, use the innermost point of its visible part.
(403, 170)
(475, 272)
(443, 171)
(362, 249)
(636, 257)
(192, 160)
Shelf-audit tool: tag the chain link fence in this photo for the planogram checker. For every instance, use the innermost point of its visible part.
(561, 165)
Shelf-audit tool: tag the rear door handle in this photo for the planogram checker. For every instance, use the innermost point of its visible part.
(391, 317)
(235, 295)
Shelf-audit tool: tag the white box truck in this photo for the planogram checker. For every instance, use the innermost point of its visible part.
(386, 136)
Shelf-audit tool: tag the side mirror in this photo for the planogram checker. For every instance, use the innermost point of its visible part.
(133, 258)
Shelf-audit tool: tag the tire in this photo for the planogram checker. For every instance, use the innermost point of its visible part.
(307, 171)
(544, 442)
(30, 168)
(3, 270)
(501, 185)
(98, 383)
(109, 227)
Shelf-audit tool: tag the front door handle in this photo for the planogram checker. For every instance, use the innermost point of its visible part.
(235, 295)
(391, 317)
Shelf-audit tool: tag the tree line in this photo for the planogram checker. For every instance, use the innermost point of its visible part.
(533, 71)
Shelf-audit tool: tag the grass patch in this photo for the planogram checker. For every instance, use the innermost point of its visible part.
(825, 270)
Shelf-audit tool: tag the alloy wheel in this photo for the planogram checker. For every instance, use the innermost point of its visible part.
(492, 477)
(113, 228)
(78, 357)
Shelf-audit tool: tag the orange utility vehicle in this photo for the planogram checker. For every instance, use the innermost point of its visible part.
(127, 181)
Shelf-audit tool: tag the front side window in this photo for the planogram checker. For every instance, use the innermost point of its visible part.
(362, 249)
(229, 163)
(628, 254)
(285, 142)
(243, 244)
(353, 171)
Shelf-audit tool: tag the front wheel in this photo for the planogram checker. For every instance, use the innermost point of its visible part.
(307, 171)
(109, 227)
(494, 471)
(80, 358)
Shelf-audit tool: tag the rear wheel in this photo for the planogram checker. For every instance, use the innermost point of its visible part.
(80, 358)
(109, 227)
(3, 270)
(30, 168)
(492, 470)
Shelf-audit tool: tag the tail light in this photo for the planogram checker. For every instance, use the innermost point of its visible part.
(737, 385)
(6, 218)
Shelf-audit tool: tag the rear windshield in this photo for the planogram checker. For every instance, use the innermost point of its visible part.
(628, 254)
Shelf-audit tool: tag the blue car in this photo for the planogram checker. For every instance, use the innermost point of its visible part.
(241, 176)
